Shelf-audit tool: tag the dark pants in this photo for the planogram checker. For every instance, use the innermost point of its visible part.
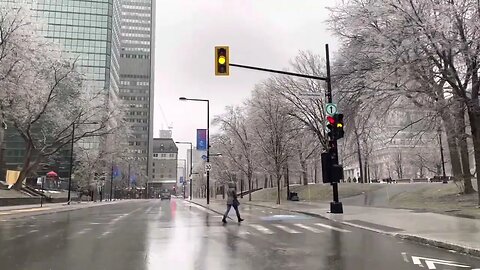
(229, 206)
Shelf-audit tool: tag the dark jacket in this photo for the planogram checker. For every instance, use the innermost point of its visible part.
(231, 196)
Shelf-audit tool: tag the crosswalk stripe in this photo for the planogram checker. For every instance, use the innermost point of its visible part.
(308, 228)
(331, 227)
(287, 229)
(261, 228)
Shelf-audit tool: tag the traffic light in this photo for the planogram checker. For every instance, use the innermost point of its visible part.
(332, 128)
(339, 124)
(332, 172)
(221, 61)
(335, 127)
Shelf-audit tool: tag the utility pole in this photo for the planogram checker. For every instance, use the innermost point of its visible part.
(336, 206)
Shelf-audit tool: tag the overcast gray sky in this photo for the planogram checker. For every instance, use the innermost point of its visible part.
(265, 33)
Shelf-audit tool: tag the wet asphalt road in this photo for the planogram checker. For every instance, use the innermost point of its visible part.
(175, 235)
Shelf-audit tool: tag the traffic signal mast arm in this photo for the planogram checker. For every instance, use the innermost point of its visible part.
(280, 72)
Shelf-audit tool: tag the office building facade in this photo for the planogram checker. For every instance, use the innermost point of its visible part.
(164, 166)
(136, 77)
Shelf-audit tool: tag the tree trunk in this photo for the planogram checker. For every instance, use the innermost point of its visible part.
(27, 160)
(271, 181)
(475, 126)
(315, 171)
(359, 153)
(278, 188)
(2, 137)
(287, 182)
(452, 145)
(265, 181)
(459, 115)
(250, 184)
(304, 172)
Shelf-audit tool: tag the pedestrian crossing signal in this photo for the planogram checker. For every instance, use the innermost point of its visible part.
(222, 59)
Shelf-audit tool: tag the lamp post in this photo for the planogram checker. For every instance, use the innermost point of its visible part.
(71, 158)
(191, 165)
(208, 139)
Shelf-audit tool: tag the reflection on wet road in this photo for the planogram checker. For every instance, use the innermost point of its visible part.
(176, 235)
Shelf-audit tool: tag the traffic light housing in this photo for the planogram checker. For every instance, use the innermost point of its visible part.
(222, 59)
(332, 172)
(335, 127)
(339, 125)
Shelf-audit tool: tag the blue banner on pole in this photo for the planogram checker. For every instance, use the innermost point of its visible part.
(202, 139)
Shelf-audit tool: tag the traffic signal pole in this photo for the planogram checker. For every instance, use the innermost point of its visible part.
(336, 172)
(336, 206)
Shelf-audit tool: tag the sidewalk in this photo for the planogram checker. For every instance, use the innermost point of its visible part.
(18, 211)
(454, 233)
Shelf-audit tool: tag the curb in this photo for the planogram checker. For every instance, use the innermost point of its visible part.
(50, 211)
(409, 237)
(439, 244)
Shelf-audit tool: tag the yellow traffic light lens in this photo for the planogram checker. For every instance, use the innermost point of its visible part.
(221, 60)
(339, 125)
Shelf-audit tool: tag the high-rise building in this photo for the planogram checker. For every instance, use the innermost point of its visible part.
(136, 76)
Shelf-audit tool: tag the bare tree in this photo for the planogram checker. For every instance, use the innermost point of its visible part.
(234, 125)
(406, 47)
(272, 130)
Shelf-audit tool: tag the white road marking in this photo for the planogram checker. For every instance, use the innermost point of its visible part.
(405, 257)
(431, 262)
(284, 228)
(331, 227)
(33, 231)
(261, 229)
(308, 228)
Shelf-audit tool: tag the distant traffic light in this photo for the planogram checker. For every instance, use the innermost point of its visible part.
(221, 61)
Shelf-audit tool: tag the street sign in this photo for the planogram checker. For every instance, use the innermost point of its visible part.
(331, 108)
(311, 95)
(208, 167)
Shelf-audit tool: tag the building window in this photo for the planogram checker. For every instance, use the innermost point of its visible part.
(164, 155)
(155, 155)
(172, 155)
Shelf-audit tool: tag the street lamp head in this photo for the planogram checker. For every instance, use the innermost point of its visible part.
(182, 98)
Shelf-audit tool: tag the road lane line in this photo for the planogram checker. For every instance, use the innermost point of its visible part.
(308, 228)
(261, 229)
(331, 227)
(405, 257)
(285, 228)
